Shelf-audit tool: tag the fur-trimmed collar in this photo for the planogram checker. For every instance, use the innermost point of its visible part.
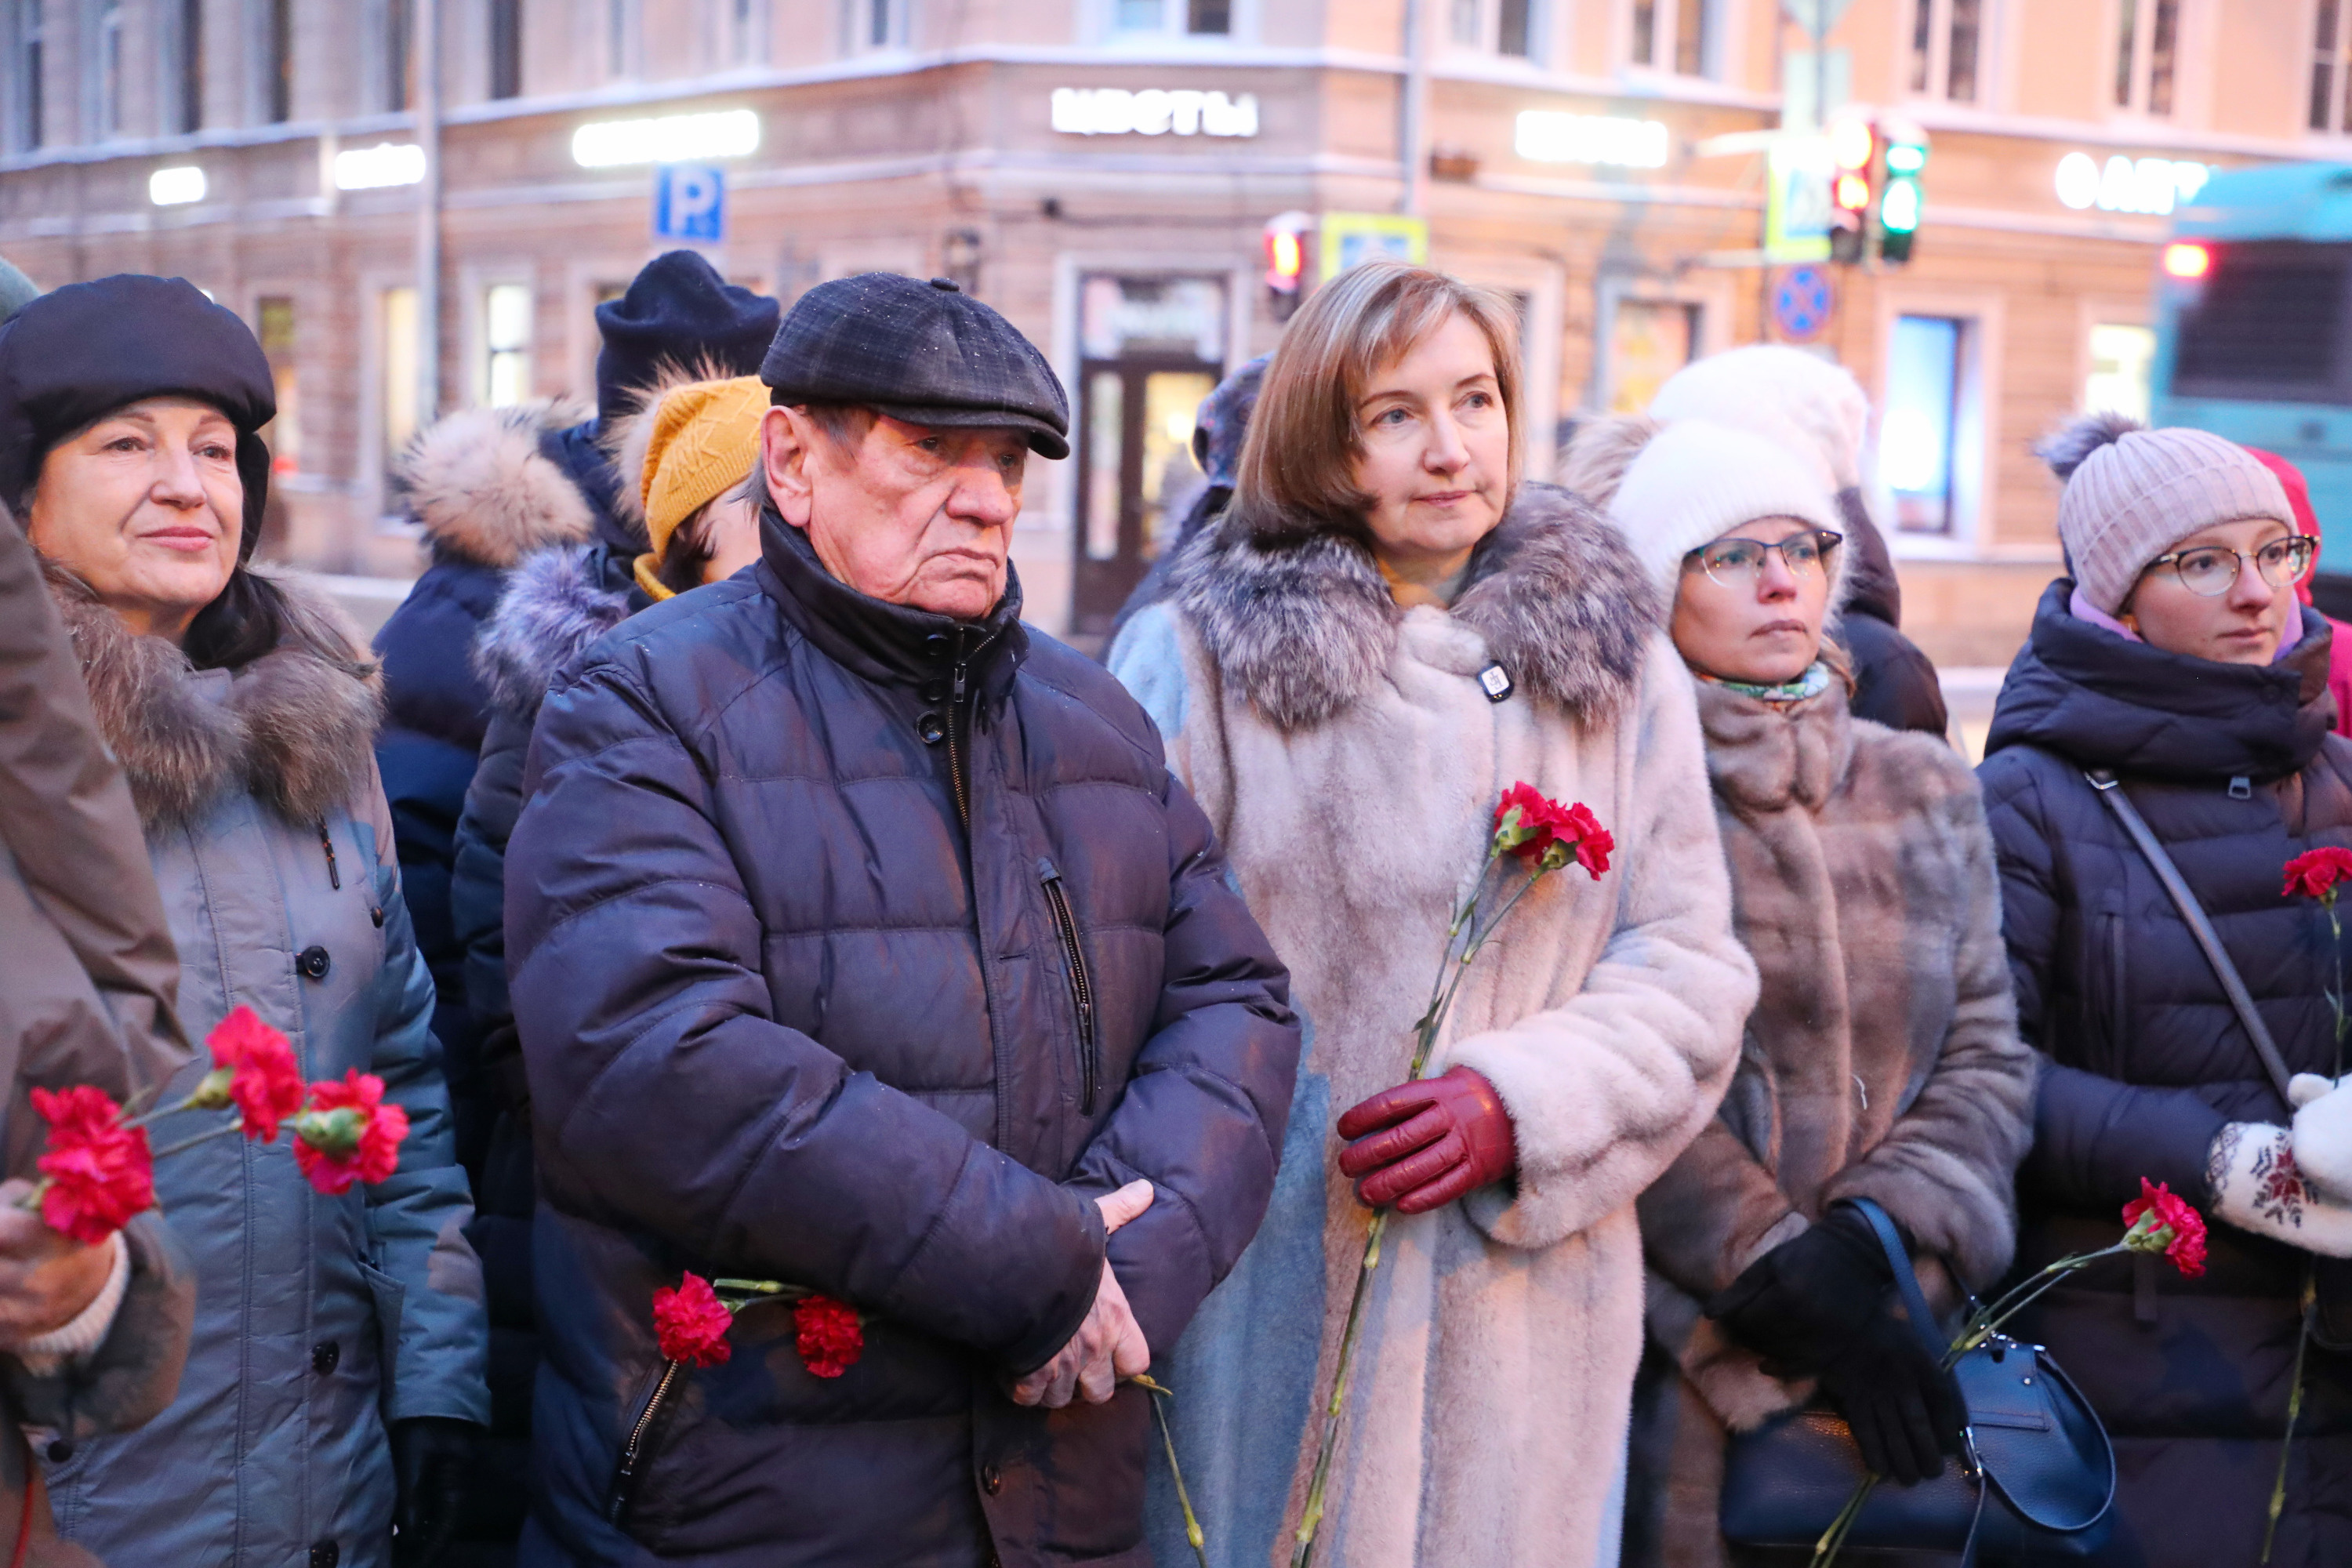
(555, 604)
(483, 489)
(297, 727)
(1304, 630)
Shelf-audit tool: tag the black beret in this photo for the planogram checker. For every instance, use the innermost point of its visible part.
(83, 350)
(925, 352)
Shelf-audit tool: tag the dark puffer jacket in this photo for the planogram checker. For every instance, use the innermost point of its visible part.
(486, 498)
(786, 1018)
(2236, 772)
(1895, 684)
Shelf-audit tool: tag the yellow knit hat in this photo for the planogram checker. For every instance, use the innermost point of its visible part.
(706, 436)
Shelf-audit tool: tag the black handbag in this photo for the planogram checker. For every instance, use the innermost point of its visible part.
(2036, 1479)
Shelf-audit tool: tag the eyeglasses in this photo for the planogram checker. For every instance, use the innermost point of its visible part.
(2210, 571)
(1737, 563)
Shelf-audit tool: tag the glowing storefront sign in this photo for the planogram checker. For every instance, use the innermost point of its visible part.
(1153, 111)
(670, 139)
(2151, 185)
(1552, 136)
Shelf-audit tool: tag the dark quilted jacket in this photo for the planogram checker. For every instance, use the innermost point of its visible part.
(2145, 1060)
(785, 1018)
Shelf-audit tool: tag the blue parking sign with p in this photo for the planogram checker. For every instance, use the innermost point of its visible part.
(690, 202)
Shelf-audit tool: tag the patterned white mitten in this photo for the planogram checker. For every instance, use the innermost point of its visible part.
(2323, 1132)
(2257, 1187)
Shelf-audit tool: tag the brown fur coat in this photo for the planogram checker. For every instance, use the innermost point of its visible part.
(1882, 1061)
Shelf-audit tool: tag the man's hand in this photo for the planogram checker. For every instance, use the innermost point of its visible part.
(46, 1278)
(1109, 1344)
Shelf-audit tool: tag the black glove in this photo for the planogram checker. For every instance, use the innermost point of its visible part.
(1903, 1408)
(1800, 1305)
(433, 1459)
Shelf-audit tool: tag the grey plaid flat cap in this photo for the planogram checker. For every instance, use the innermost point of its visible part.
(925, 352)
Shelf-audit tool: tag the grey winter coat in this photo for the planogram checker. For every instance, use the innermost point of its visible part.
(320, 1319)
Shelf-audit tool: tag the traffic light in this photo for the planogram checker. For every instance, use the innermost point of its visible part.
(1286, 261)
(1853, 160)
(1901, 199)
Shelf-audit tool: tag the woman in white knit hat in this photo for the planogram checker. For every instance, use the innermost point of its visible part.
(2176, 664)
(1883, 1059)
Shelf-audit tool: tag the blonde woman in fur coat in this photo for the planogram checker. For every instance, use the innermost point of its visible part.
(1316, 670)
(1883, 1060)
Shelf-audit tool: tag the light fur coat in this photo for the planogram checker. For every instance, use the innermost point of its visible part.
(1352, 764)
(1882, 1061)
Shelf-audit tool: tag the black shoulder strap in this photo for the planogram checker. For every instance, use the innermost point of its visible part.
(1906, 1281)
(2110, 789)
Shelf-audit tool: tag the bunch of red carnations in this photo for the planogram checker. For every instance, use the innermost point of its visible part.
(99, 1171)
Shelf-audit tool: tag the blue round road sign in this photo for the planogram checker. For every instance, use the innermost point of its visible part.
(1802, 303)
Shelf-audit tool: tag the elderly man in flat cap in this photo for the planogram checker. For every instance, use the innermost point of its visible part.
(862, 942)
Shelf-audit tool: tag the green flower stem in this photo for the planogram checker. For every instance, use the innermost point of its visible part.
(169, 1149)
(1184, 1499)
(2293, 1407)
(1988, 1320)
(1825, 1550)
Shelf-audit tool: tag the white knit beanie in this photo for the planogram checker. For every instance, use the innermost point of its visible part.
(1696, 482)
(1779, 393)
(2133, 493)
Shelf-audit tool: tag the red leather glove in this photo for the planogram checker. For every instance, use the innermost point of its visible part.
(1422, 1144)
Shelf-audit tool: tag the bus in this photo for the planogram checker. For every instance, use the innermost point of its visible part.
(2253, 318)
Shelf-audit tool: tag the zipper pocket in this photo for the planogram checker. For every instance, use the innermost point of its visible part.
(1082, 990)
(623, 1491)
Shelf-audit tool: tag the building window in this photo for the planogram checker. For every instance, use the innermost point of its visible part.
(506, 344)
(189, 102)
(109, 69)
(2147, 35)
(398, 358)
(278, 73)
(1649, 339)
(32, 25)
(397, 26)
(1946, 43)
(2118, 379)
(1676, 36)
(1177, 18)
(747, 25)
(2331, 46)
(1919, 428)
(506, 48)
(867, 24)
(1497, 26)
(619, 37)
(283, 434)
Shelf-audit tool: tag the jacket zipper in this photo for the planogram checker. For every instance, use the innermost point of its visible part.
(1082, 991)
(955, 726)
(327, 842)
(617, 1500)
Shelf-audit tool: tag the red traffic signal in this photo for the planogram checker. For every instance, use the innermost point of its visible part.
(1285, 260)
(1853, 158)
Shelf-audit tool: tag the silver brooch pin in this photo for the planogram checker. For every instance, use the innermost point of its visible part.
(1495, 682)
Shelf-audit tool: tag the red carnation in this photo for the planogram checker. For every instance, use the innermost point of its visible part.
(827, 1334)
(1592, 841)
(2178, 1230)
(348, 1134)
(99, 1172)
(690, 1323)
(2315, 873)
(1530, 832)
(263, 1079)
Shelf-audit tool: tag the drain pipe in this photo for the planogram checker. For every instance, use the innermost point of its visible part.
(427, 44)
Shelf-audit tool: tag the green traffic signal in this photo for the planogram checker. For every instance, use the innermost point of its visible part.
(1901, 204)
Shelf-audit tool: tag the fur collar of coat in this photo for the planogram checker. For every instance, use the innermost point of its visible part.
(297, 727)
(555, 604)
(483, 489)
(1304, 629)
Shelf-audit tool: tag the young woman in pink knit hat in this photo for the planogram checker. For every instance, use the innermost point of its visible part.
(2174, 676)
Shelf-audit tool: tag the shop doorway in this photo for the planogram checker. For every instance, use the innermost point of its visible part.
(1152, 347)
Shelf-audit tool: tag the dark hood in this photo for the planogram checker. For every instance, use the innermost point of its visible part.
(1871, 586)
(2101, 700)
(576, 450)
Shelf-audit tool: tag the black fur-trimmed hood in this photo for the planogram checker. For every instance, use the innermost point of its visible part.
(298, 727)
(1304, 630)
(555, 604)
